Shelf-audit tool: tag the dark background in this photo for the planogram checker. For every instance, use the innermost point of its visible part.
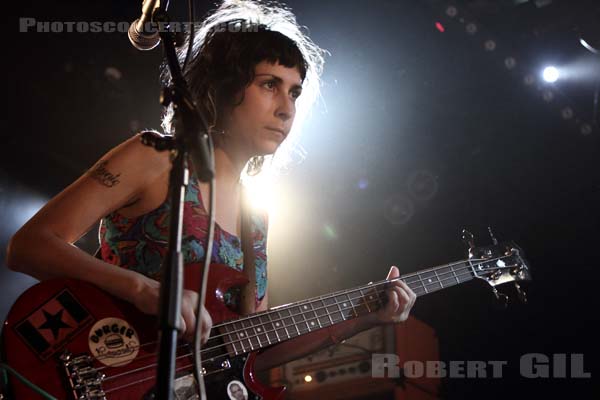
(401, 100)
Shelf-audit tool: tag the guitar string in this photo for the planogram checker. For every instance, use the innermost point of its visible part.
(222, 345)
(313, 309)
(186, 355)
(219, 356)
(216, 347)
(367, 288)
(379, 283)
(379, 289)
(144, 380)
(257, 335)
(371, 286)
(177, 369)
(153, 365)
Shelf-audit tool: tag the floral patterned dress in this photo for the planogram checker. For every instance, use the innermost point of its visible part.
(140, 243)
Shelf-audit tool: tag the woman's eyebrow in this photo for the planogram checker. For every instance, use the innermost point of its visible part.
(280, 81)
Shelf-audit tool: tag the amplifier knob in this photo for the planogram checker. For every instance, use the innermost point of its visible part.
(320, 376)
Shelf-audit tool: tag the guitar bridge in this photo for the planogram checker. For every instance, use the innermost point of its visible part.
(85, 382)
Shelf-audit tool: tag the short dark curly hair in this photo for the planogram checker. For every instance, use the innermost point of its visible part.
(226, 63)
(229, 45)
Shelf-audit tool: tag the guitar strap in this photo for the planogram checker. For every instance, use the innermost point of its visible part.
(248, 292)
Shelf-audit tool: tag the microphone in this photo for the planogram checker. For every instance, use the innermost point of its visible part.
(139, 38)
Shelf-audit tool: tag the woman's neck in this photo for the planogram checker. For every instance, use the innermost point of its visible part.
(228, 169)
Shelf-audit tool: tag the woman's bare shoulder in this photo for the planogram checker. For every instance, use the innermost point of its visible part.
(118, 178)
(140, 163)
(136, 150)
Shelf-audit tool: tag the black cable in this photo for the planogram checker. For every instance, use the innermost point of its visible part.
(192, 34)
(209, 244)
(26, 382)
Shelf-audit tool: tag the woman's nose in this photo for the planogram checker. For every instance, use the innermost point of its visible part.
(285, 108)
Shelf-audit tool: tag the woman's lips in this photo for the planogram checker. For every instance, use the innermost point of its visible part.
(280, 131)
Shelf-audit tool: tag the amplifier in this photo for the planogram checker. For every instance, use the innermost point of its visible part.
(343, 371)
(348, 360)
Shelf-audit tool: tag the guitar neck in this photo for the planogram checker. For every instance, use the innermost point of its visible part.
(288, 321)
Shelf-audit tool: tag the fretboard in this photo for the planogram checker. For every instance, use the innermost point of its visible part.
(288, 321)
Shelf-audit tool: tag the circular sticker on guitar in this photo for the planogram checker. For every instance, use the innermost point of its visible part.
(113, 342)
(237, 391)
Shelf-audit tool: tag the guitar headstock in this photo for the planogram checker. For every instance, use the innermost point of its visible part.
(498, 264)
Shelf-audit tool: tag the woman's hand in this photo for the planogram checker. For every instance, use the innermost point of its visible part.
(400, 300)
(146, 300)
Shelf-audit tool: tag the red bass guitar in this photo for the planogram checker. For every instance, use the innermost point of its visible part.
(74, 341)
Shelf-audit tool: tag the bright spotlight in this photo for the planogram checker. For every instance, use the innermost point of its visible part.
(588, 46)
(550, 74)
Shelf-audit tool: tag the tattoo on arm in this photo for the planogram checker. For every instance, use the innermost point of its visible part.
(102, 175)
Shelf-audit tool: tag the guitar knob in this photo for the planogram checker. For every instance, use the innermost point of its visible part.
(468, 239)
(501, 299)
(166, 96)
(494, 240)
(321, 376)
(521, 293)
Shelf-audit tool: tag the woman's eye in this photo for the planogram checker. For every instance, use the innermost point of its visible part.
(269, 84)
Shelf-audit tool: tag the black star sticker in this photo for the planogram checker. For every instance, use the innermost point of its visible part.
(53, 322)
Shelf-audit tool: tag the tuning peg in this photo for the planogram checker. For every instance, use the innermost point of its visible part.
(166, 96)
(467, 238)
(494, 240)
(501, 299)
(521, 293)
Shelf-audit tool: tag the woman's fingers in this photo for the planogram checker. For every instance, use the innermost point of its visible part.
(401, 298)
(182, 325)
(188, 314)
(206, 325)
(394, 273)
(408, 291)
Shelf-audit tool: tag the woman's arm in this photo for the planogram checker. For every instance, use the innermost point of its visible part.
(401, 299)
(43, 247)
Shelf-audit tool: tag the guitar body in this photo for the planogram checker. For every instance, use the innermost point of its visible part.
(71, 339)
(77, 342)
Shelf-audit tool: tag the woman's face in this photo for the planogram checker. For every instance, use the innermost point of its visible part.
(264, 118)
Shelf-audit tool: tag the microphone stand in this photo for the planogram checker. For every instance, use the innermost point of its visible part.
(190, 139)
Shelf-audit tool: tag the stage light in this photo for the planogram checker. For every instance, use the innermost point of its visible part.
(471, 28)
(550, 74)
(451, 11)
(548, 96)
(329, 232)
(261, 194)
(588, 46)
(363, 183)
(489, 45)
(528, 80)
(308, 378)
(398, 209)
(510, 63)
(422, 185)
(585, 129)
(566, 113)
